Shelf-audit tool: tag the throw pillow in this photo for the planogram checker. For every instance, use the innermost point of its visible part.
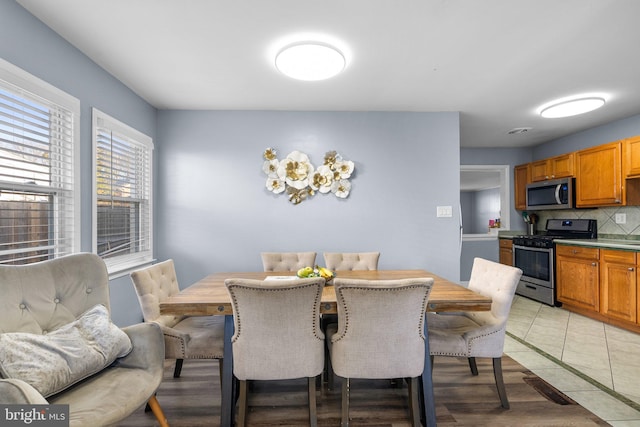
(55, 361)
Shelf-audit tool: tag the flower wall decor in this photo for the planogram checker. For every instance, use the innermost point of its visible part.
(296, 176)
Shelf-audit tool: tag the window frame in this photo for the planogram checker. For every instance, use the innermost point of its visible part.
(121, 265)
(25, 85)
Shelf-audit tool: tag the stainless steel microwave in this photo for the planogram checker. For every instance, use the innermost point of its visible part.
(554, 194)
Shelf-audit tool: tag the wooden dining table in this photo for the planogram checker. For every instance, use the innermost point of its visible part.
(209, 296)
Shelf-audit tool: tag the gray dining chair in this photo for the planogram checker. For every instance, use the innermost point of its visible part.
(277, 334)
(479, 333)
(185, 337)
(380, 334)
(351, 260)
(287, 261)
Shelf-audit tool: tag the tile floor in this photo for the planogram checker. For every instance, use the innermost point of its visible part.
(595, 364)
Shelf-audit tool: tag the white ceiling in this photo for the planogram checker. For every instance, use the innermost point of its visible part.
(495, 61)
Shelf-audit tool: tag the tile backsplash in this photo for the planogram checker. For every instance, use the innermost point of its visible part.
(605, 217)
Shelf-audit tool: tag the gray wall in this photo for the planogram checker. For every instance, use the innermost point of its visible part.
(614, 131)
(32, 46)
(214, 214)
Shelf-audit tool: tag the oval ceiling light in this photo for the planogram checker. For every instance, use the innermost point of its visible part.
(310, 61)
(571, 107)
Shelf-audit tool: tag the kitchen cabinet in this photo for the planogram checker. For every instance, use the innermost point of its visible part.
(506, 251)
(521, 177)
(618, 284)
(632, 157)
(578, 277)
(599, 176)
(552, 168)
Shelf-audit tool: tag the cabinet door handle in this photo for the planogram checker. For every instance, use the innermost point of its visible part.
(593, 264)
(630, 269)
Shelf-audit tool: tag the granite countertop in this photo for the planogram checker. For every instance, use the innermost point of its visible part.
(611, 243)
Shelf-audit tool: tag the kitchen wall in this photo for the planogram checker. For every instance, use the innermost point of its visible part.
(214, 213)
(32, 46)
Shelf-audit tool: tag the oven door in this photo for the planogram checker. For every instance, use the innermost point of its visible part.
(536, 264)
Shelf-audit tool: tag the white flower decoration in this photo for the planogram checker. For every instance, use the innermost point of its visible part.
(322, 179)
(341, 188)
(275, 185)
(270, 167)
(344, 168)
(295, 170)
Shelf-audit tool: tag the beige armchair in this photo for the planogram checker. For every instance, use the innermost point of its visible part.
(380, 334)
(55, 314)
(277, 334)
(351, 260)
(185, 337)
(287, 261)
(480, 333)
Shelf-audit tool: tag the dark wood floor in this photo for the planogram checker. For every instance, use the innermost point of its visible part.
(461, 400)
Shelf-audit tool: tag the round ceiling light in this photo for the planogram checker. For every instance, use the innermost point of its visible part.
(310, 61)
(571, 107)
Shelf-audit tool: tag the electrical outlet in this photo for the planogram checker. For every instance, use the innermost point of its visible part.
(621, 218)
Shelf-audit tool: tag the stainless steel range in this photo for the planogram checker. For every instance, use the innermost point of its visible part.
(535, 256)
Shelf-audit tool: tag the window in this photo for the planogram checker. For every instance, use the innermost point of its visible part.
(122, 194)
(39, 188)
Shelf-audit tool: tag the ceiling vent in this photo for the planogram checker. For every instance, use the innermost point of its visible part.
(515, 131)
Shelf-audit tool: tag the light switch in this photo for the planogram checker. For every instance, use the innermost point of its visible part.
(444, 211)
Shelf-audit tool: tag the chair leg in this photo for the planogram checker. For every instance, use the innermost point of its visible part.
(345, 402)
(473, 366)
(313, 413)
(157, 411)
(414, 402)
(497, 373)
(178, 369)
(242, 404)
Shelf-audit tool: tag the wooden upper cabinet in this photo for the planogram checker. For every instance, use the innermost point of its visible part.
(521, 177)
(632, 157)
(599, 176)
(553, 168)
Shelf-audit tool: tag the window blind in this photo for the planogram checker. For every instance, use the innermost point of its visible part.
(37, 207)
(123, 194)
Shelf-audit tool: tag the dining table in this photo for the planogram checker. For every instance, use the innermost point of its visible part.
(209, 296)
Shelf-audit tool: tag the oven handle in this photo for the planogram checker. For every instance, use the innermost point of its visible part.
(534, 249)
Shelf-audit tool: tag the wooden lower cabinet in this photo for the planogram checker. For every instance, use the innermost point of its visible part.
(618, 284)
(600, 283)
(578, 277)
(506, 251)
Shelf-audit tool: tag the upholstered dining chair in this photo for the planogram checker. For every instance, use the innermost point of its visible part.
(380, 334)
(185, 337)
(277, 334)
(351, 260)
(287, 261)
(480, 333)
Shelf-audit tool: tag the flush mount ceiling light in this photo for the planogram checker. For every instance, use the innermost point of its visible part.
(310, 61)
(571, 107)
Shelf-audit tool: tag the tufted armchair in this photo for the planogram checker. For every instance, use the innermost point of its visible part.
(185, 337)
(480, 333)
(44, 298)
(351, 260)
(287, 261)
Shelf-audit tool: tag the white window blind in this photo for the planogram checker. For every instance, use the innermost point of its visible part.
(122, 187)
(38, 188)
